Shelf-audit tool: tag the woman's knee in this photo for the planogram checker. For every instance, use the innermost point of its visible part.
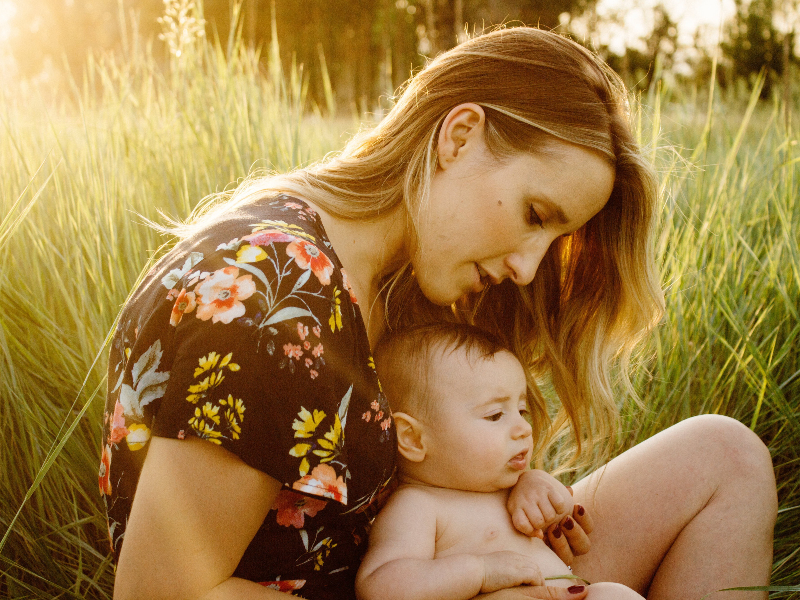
(733, 451)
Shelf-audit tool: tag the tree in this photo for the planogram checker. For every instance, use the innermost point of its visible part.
(754, 44)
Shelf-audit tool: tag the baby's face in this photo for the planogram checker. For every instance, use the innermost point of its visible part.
(478, 438)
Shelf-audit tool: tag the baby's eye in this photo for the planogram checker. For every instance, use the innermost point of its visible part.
(494, 416)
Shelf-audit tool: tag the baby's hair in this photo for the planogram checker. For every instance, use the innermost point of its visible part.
(403, 359)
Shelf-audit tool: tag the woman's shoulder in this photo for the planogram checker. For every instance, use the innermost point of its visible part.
(257, 238)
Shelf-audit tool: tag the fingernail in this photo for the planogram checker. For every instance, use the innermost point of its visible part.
(581, 510)
(568, 524)
(557, 532)
(575, 589)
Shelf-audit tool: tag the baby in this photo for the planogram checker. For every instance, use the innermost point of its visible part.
(459, 401)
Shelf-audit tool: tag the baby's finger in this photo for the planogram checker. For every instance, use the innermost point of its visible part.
(576, 537)
(583, 518)
(534, 514)
(522, 523)
(560, 545)
(560, 504)
(547, 511)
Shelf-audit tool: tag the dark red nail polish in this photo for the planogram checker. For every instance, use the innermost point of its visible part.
(581, 510)
(575, 589)
(557, 532)
(568, 524)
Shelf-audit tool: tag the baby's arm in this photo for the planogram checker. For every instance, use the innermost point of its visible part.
(400, 562)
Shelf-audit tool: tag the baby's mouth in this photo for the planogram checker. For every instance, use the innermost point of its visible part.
(519, 461)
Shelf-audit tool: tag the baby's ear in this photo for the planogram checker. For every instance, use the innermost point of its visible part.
(410, 441)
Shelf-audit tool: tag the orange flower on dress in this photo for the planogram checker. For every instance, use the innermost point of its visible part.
(284, 585)
(349, 289)
(293, 507)
(219, 296)
(104, 476)
(118, 430)
(308, 256)
(184, 303)
(322, 481)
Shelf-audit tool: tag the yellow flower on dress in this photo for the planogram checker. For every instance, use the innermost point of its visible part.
(308, 422)
(332, 443)
(138, 436)
(250, 254)
(234, 415)
(336, 311)
(206, 362)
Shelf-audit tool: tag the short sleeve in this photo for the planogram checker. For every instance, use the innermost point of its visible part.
(257, 326)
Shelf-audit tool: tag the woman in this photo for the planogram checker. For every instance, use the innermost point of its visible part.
(505, 189)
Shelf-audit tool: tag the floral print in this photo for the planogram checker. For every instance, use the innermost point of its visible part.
(323, 481)
(258, 346)
(220, 296)
(287, 586)
(293, 507)
(184, 303)
(308, 256)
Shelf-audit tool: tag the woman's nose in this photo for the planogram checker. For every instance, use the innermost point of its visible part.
(523, 264)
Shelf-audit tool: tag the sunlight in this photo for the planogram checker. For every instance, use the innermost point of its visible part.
(7, 11)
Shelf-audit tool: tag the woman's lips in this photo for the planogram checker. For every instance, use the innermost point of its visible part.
(479, 282)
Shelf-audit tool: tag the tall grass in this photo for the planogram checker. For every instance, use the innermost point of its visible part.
(131, 138)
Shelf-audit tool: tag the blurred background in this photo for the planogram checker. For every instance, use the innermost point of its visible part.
(114, 112)
(369, 47)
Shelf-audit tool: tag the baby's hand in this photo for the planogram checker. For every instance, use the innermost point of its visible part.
(538, 501)
(508, 569)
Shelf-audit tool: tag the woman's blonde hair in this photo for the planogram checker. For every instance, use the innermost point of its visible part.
(596, 292)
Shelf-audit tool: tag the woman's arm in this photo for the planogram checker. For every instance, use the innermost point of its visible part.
(197, 508)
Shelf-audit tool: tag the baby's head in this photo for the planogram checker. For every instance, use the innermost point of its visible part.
(459, 399)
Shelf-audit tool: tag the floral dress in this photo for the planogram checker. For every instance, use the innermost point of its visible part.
(248, 336)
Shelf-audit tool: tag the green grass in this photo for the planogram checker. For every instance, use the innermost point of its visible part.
(76, 169)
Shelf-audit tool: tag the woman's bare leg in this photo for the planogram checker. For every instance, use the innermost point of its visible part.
(685, 513)
(611, 591)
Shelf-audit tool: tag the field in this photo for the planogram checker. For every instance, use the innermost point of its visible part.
(80, 170)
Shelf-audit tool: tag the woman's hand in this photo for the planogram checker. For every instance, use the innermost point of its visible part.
(539, 503)
(524, 592)
(570, 537)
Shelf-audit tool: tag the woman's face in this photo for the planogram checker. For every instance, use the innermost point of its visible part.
(490, 220)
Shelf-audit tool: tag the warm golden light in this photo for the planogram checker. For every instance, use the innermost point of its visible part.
(7, 11)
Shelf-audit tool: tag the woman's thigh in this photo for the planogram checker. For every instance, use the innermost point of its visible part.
(690, 509)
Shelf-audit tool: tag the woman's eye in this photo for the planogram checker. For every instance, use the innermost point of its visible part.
(494, 417)
(533, 216)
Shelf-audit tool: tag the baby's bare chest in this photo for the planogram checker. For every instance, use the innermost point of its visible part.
(475, 523)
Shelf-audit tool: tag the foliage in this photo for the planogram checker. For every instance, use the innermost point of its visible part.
(75, 176)
(754, 44)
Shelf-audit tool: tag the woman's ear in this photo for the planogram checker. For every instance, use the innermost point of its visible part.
(410, 440)
(461, 129)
